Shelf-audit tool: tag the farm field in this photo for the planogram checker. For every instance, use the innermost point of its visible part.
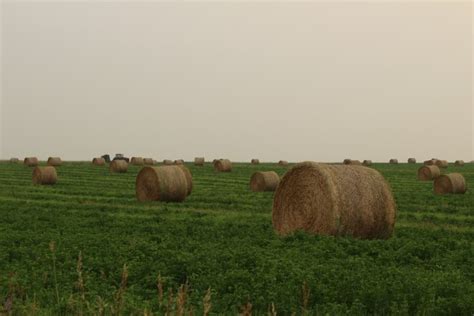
(63, 249)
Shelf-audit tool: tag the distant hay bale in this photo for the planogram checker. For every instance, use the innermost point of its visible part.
(367, 163)
(199, 161)
(452, 183)
(223, 165)
(442, 163)
(98, 161)
(264, 181)
(14, 160)
(45, 175)
(459, 163)
(334, 200)
(167, 162)
(255, 161)
(430, 162)
(283, 163)
(31, 161)
(393, 161)
(179, 162)
(148, 161)
(165, 183)
(411, 160)
(352, 162)
(189, 178)
(54, 161)
(137, 161)
(118, 166)
(426, 173)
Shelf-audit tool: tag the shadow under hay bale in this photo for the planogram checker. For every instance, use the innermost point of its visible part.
(264, 181)
(165, 183)
(45, 175)
(452, 183)
(427, 173)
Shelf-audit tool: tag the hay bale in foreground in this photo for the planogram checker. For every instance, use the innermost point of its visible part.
(351, 162)
(393, 161)
(148, 161)
(31, 161)
(334, 200)
(189, 178)
(45, 175)
(255, 161)
(137, 161)
(54, 161)
(452, 183)
(199, 161)
(459, 163)
(411, 160)
(367, 163)
(223, 165)
(283, 163)
(167, 162)
(179, 162)
(264, 181)
(98, 161)
(165, 183)
(118, 166)
(426, 173)
(14, 160)
(442, 163)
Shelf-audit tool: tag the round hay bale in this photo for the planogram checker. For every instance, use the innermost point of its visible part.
(283, 163)
(45, 175)
(14, 160)
(426, 173)
(459, 163)
(31, 161)
(451, 183)
(199, 161)
(393, 161)
(137, 161)
(148, 161)
(411, 160)
(264, 181)
(352, 162)
(179, 162)
(54, 161)
(189, 178)
(165, 183)
(442, 163)
(98, 161)
(430, 162)
(223, 165)
(367, 163)
(118, 166)
(167, 162)
(255, 161)
(334, 200)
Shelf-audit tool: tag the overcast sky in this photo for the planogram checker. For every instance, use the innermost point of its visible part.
(317, 81)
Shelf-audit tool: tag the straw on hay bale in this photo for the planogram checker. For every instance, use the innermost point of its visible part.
(393, 161)
(148, 161)
(199, 161)
(118, 166)
(31, 161)
(426, 173)
(54, 161)
(334, 200)
(459, 163)
(283, 163)
(411, 160)
(14, 160)
(264, 181)
(255, 161)
(451, 183)
(179, 162)
(98, 161)
(352, 162)
(167, 162)
(223, 165)
(442, 163)
(189, 178)
(165, 183)
(367, 163)
(45, 175)
(137, 161)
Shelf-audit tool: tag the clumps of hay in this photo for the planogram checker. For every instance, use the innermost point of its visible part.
(98, 161)
(334, 200)
(31, 161)
(118, 166)
(137, 161)
(411, 160)
(452, 183)
(283, 163)
(264, 181)
(223, 165)
(426, 173)
(459, 163)
(165, 183)
(255, 161)
(54, 161)
(367, 163)
(45, 175)
(442, 163)
(199, 161)
(179, 162)
(351, 162)
(14, 160)
(393, 161)
(148, 161)
(167, 162)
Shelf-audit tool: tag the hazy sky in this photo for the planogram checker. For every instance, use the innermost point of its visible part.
(273, 80)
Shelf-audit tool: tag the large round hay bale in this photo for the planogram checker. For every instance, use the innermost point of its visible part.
(165, 183)
(393, 161)
(98, 161)
(352, 162)
(452, 183)
(223, 165)
(167, 162)
(31, 161)
(459, 163)
(264, 181)
(179, 162)
(283, 163)
(199, 161)
(430, 162)
(426, 173)
(334, 200)
(54, 161)
(148, 161)
(442, 163)
(367, 163)
(189, 178)
(411, 160)
(118, 166)
(255, 161)
(14, 160)
(137, 161)
(45, 175)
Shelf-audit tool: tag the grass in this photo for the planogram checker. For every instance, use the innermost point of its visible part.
(86, 246)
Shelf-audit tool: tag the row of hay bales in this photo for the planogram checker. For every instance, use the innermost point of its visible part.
(33, 161)
(451, 183)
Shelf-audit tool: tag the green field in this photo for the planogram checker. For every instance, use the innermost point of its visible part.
(222, 238)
